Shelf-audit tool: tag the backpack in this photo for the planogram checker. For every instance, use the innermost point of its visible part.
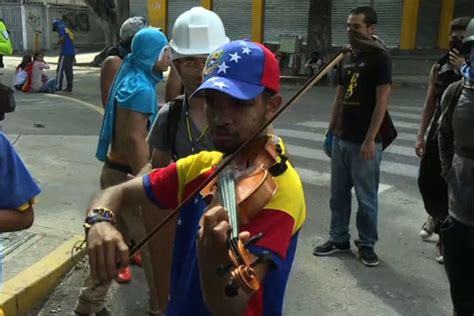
(7, 100)
(172, 121)
(452, 93)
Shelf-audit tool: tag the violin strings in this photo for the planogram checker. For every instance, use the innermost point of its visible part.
(229, 200)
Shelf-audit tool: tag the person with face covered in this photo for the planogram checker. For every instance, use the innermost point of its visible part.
(432, 186)
(353, 140)
(239, 101)
(456, 146)
(116, 54)
(131, 108)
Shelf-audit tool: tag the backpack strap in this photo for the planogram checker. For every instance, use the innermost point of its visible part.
(172, 122)
(453, 92)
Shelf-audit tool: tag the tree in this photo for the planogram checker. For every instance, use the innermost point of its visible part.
(319, 27)
(109, 14)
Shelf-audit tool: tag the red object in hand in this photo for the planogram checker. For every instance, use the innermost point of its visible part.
(136, 259)
(124, 275)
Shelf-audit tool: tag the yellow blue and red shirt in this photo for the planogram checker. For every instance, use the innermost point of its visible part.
(280, 222)
(18, 189)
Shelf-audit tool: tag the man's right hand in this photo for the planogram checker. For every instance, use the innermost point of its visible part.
(420, 146)
(107, 252)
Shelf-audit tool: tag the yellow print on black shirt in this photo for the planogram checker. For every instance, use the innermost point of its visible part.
(352, 86)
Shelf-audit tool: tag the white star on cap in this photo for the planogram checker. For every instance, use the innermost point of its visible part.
(223, 68)
(243, 43)
(246, 51)
(220, 84)
(235, 57)
(212, 79)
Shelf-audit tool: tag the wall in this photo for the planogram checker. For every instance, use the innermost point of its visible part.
(87, 33)
(34, 16)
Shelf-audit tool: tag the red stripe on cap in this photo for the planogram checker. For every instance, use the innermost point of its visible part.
(271, 70)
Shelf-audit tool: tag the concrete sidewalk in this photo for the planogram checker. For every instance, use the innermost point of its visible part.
(56, 137)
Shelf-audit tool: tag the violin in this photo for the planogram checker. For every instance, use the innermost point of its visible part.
(245, 193)
(243, 188)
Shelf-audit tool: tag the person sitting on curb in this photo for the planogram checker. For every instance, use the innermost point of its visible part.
(40, 82)
(18, 190)
(21, 75)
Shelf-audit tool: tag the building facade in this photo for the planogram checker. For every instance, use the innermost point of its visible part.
(403, 24)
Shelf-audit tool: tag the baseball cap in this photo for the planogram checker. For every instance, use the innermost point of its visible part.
(131, 26)
(241, 69)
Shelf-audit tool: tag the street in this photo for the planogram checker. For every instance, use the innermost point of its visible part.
(408, 280)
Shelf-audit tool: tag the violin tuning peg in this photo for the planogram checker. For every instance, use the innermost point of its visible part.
(266, 256)
(253, 240)
(231, 290)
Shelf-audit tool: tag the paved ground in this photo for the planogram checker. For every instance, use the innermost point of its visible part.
(408, 281)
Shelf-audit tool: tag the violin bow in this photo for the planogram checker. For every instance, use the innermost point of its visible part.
(312, 81)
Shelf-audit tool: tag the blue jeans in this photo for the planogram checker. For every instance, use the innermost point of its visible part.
(49, 86)
(349, 170)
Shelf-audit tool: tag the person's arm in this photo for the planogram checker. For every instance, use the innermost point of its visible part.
(174, 85)
(428, 111)
(158, 137)
(383, 81)
(109, 70)
(60, 40)
(44, 65)
(14, 220)
(367, 150)
(105, 244)
(212, 253)
(160, 158)
(336, 107)
(136, 146)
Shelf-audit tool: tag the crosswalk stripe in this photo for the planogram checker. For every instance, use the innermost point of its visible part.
(404, 108)
(405, 115)
(386, 166)
(320, 124)
(315, 136)
(323, 179)
(319, 138)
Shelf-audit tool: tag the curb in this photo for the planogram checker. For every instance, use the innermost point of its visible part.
(23, 292)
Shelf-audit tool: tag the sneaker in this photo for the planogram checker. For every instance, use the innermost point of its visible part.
(439, 253)
(428, 228)
(368, 256)
(330, 247)
(124, 275)
(136, 259)
(103, 312)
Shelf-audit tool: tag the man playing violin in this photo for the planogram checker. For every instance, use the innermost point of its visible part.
(241, 87)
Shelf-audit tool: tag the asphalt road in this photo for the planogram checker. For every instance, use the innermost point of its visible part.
(408, 280)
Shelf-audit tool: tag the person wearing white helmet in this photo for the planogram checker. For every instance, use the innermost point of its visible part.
(180, 128)
(116, 54)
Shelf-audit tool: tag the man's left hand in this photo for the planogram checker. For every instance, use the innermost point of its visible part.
(212, 239)
(456, 59)
(367, 151)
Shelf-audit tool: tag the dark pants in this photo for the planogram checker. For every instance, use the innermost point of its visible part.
(1, 61)
(433, 187)
(65, 64)
(458, 242)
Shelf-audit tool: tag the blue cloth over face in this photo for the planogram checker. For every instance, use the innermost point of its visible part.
(134, 87)
(467, 70)
(17, 187)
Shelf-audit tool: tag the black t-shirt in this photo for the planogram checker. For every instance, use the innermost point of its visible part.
(360, 75)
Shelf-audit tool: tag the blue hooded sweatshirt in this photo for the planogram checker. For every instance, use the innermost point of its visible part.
(134, 87)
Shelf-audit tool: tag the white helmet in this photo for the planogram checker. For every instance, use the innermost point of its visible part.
(197, 31)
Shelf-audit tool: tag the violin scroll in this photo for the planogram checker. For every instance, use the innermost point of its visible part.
(242, 273)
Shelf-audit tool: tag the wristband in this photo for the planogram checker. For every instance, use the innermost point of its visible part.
(98, 215)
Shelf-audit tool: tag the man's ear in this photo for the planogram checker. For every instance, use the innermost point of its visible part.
(371, 29)
(273, 104)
